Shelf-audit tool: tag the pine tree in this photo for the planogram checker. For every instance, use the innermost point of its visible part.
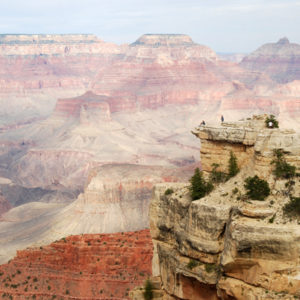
(199, 187)
(233, 168)
(148, 293)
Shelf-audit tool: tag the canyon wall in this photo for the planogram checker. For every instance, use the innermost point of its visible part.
(94, 266)
(115, 199)
(72, 104)
(279, 60)
(226, 246)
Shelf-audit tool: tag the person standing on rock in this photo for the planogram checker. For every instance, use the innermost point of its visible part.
(203, 123)
(222, 118)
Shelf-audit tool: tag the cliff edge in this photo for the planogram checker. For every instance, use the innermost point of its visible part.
(225, 245)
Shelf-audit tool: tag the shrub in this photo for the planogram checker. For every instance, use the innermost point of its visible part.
(169, 192)
(148, 293)
(199, 187)
(271, 220)
(233, 168)
(235, 191)
(257, 189)
(293, 207)
(210, 268)
(192, 264)
(282, 168)
(217, 176)
(272, 119)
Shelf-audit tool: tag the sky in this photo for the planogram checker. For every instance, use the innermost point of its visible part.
(239, 26)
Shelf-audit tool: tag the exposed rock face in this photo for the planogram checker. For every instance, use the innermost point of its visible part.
(221, 247)
(279, 60)
(38, 69)
(160, 86)
(116, 198)
(95, 266)
(89, 108)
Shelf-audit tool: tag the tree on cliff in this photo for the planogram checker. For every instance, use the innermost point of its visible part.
(233, 168)
(199, 187)
(148, 293)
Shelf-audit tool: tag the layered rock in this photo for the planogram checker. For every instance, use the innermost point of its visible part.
(222, 247)
(116, 198)
(89, 108)
(95, 266)
(279, 60)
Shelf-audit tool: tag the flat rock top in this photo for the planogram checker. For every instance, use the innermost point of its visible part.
(47, 38)
(170, 40)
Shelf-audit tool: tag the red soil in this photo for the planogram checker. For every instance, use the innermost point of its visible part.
(91, 266)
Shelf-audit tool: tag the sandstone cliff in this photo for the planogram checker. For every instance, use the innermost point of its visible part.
(223, 246)
(95, 266)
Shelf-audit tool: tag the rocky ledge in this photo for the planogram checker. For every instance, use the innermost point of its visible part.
(224, 246)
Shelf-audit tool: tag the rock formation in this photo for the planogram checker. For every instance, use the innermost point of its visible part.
(95, 266)
(116, 198)
(225, 246)
(281, 61)
(117, 105)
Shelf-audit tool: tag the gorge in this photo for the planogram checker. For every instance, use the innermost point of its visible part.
(88, 128)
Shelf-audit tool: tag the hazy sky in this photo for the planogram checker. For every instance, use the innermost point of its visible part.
(224, 25)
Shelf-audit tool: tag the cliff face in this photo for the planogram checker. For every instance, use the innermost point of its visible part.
(279, 60)
(95, 266)
(116, 199)
(223, 247)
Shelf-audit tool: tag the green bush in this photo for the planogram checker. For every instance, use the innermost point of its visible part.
(148, 293)
(272, 119)
(233, 168)
(169, 192)
(210, 268)
(192, 264)
(282, 168)
(217, 176)
(235, 191)
(293, 207)
(257, 189)
(199, 187)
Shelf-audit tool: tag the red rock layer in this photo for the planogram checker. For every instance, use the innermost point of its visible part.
(73, 107)
(93, 266)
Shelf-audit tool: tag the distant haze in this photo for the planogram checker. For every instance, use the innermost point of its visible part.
(225, 26)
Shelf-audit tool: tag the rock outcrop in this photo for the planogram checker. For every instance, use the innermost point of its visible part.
(281, 60)
(225, 246)
(95, 266)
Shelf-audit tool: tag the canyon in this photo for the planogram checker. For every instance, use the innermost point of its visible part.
(222, 246)
(88, 128)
